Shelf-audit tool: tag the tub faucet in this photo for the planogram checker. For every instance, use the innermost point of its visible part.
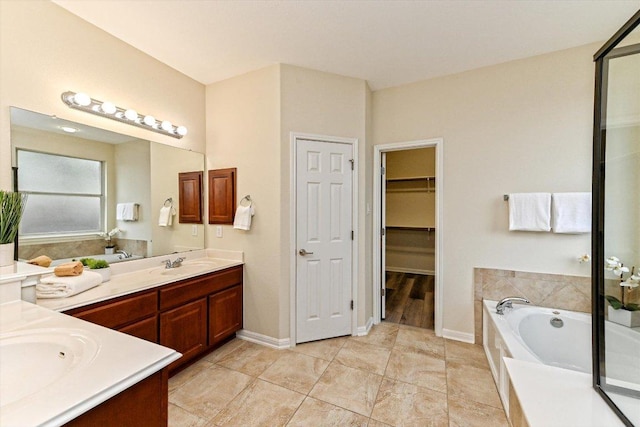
(508, 303)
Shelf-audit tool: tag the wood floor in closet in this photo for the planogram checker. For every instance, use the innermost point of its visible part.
(409, 299)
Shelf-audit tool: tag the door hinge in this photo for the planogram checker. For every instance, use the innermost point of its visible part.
(383, 291)
(382, 231)
(351, 304)
(382, 170)
(352, 162)
(351, 234)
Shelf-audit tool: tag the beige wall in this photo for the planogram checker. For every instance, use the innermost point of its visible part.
(243, 131)
(46, 51)
(325, 104)
(249, 123)
(522, 126)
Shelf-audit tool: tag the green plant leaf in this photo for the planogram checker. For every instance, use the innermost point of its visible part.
(615, 302)
(11, 209)
(632, 307)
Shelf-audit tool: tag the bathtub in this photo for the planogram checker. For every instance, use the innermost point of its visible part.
(558, 338)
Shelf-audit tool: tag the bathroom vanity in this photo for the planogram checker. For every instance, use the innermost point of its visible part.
(192, 315)
(78, 360)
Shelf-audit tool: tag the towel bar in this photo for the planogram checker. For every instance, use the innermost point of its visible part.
(169, 200)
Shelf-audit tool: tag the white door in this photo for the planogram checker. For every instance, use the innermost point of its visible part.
(324, 185)
(383, 236)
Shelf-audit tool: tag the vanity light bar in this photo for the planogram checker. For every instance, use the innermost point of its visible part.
(83, 102)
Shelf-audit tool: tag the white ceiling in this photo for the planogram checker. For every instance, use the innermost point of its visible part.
(387, 43)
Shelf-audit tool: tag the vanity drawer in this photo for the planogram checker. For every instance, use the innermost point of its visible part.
(121, 312)
(198, 287)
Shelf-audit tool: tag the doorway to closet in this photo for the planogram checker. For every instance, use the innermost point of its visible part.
(408, 258)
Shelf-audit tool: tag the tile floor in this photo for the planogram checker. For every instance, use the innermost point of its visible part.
(397, 375)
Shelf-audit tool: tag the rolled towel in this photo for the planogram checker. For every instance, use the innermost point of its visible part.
(61, 287)
(69, 269)
(42, 261)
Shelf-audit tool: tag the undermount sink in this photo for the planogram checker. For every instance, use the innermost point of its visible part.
(34, 359)
(177, 271)
(189, 267)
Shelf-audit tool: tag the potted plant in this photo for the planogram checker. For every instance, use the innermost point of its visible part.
(109, 249)
(621, 310)
(99, 266)
(11, 210)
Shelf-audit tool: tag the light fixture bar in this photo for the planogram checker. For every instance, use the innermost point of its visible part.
(83, 102)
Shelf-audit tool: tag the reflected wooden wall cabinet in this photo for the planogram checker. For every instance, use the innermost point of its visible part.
(190, 189)
(222, 195)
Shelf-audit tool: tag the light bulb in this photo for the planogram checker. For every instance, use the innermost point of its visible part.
(82, 99)
(181, 130)
(131, 114)
(108, 107)
(149, 120)
(166, 125)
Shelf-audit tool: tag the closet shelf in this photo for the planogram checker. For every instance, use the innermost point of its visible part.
(410, 228)
(412, 178)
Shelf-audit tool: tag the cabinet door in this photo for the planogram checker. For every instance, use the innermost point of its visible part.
(190, 190)
(225, 314)
(146, 329)
(185, 330)
(222, 196)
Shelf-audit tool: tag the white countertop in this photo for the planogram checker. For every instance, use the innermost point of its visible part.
(138, 275)
(20, 270)
(551, 396)
(120, 362)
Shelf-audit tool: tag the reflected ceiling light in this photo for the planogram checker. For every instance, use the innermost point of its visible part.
(68, 129)
(82, 101)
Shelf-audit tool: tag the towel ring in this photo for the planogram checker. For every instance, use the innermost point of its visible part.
(247, 198)
(170, 201)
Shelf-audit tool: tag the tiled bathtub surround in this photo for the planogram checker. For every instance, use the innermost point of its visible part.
(76, 248)
(542, 289)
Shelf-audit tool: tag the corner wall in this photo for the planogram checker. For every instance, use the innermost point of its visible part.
(522, 126)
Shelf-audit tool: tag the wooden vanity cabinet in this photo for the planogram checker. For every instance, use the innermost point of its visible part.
(192, 316)
(225, 314)
(185, 330)
(135, 314)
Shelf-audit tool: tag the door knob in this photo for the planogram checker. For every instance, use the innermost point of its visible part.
(304, 252)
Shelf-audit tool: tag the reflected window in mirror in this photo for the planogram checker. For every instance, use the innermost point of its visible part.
(65, 194)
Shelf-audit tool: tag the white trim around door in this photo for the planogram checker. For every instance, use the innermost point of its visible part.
(294, 138)
(438, 143)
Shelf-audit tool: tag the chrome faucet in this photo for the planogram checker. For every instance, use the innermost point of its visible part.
(508, 303)
(123, 252)
(175, 264)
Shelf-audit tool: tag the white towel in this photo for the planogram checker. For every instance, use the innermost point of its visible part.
(530, 212)
(127, 211)
(571, 212)
(166, 216)
(242, 220)
(61, 287)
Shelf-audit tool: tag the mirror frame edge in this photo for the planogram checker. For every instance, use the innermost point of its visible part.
(597, 227)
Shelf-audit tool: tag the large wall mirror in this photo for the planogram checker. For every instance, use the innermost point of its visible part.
(82, 183)
(616, 236)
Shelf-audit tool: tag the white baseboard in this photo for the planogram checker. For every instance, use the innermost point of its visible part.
(410, 270)
(277, 343)
(364, 330)
(458, 336)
